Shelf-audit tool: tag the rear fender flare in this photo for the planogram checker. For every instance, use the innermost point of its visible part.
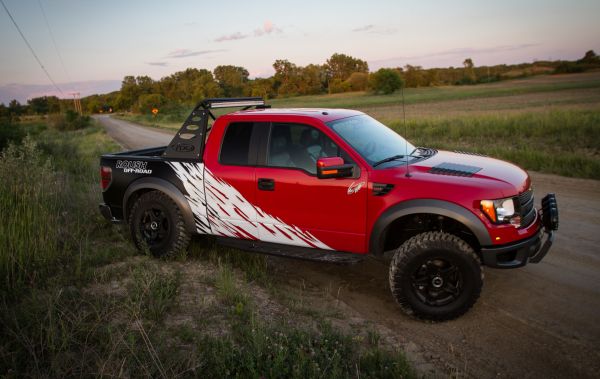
(167, 188)
(431, 206)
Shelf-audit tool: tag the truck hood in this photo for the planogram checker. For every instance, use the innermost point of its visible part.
(489, 177)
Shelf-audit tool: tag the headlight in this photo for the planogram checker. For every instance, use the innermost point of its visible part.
(501, 211)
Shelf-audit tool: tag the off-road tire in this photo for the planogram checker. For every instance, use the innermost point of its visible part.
(176, 237)
(412, 263)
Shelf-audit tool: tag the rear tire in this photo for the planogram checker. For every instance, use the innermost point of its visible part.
(435, 276)
(157, 225)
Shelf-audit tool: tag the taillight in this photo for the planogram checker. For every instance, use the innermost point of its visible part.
(105, 177)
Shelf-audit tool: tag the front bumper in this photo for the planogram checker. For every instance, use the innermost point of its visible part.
(530, 250)
(107, 213)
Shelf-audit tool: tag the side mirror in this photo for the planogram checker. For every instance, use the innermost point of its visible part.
(333, 167)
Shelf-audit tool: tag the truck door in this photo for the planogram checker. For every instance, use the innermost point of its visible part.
(301, 209)
(229, 181)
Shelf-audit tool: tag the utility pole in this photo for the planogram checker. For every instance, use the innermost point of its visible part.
(77, 102)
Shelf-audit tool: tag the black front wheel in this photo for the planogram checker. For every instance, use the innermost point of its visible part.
(435, 276)
(157, 225)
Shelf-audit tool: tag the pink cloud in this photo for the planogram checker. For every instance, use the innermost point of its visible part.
(267, 28)
(231, 37)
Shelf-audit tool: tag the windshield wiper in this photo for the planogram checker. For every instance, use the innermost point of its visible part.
(388, 159)
(399, 156)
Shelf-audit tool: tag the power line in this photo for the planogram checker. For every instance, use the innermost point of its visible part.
(30, 48)
(62, 63)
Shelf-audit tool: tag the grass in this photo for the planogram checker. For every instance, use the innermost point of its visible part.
(74, 301)
(561, 142)
(46, 229)
(152, 292)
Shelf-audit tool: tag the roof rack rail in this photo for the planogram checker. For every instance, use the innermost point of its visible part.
(189, 141)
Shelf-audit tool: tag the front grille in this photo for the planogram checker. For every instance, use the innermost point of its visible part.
(526, 208)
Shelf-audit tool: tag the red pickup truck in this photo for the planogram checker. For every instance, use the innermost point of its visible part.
(332, 185)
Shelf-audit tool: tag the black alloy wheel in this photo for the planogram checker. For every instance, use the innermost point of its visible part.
(435, 276)
(157, 225)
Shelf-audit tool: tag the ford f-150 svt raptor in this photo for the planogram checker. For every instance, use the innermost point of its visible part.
(332, 185)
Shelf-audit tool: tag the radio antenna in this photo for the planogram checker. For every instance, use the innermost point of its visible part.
(405, 131)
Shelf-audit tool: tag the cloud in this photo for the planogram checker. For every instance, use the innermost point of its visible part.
(231, 37)
(372, 29)
(161, 64)
(364, 28)
(267, 28)
(185, 53)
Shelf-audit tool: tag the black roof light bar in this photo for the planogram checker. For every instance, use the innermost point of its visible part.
(189, 141)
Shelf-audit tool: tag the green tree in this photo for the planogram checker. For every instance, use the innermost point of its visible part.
(414, 76)
(286, 78)
(189, 86)
(341, 66)
(469, 72)
(145, 84)
(147, 102)
(311, 79)
(358, 81)
(93, 105)
(44, 104)
(261, 87)
(15, 108)
(590, 57)
(231, 79)
(129, 92)
(385, 80)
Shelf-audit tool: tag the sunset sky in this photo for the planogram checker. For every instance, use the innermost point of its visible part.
(102, 41)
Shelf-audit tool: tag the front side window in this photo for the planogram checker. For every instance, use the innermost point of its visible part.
(236, 144)
(300, 146)
(370, 138)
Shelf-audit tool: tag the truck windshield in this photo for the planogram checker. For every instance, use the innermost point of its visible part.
(371, 139)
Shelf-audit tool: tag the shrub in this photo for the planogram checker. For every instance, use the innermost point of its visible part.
(385, 80)
(70, 120)
(9, 132)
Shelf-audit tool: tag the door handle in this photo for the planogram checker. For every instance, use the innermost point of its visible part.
(265, 184)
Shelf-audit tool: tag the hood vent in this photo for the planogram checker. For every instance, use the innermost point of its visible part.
(454, 169)
(469, 153)
(380, 189)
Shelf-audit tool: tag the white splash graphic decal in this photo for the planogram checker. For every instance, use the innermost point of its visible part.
(190, 175)
(215, 204)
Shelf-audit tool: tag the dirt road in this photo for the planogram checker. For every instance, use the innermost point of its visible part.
(539, 321)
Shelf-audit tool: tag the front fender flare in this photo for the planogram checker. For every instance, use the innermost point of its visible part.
(167, 188)
(431, 206)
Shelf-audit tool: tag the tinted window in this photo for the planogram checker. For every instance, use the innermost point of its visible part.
(236, 144)
(370, 138)
(299, 146)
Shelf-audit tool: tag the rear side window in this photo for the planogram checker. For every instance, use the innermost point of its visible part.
(235, 149)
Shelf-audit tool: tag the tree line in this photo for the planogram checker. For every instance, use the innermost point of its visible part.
(340, 73)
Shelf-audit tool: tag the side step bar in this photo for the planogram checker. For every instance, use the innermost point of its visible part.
(289, 251)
